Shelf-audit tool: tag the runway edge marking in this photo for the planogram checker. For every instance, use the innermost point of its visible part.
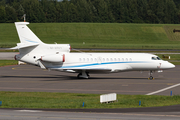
(29, 110)
(163, 89)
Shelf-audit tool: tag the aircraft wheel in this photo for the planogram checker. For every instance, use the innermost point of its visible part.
(151, 78)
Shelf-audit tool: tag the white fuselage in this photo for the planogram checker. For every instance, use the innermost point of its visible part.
(105, 62)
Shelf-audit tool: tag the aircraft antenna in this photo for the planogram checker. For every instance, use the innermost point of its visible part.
(24, 16)
(77, 50)
(80, 51)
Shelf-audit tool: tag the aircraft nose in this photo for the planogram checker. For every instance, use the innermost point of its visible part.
(171, 65)
(168, 65)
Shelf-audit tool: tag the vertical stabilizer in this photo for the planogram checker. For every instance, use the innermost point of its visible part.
(26, 36)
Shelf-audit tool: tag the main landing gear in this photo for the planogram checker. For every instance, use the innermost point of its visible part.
(83, 74)
(151, 77)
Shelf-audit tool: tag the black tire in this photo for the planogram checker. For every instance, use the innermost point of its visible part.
(151, 78)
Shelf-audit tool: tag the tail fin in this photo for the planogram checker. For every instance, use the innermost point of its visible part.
(25, 34)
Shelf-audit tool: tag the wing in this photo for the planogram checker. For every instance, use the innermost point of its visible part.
(94, 68)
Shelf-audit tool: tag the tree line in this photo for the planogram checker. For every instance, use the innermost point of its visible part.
(104, 11)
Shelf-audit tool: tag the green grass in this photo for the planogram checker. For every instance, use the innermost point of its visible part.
(8, 35)
(75, 100)
(8, 62)
(174, 58)
(99, 35)
(171, 35)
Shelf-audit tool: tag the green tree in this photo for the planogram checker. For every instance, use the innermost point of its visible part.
(2, 14)
(117, 10)
(33, 11)
(65, 11)
(151, 12)
(142, 7)
(171, 13)
(10, 14)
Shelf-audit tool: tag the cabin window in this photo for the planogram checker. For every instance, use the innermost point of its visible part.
(87, 59)
(122, 59)
(103, 59)
(107, 59)
(130, 59)
(91, 59)
(119, 59)
(114, 59)
(111, 59)
(79, 59)
(84, 59)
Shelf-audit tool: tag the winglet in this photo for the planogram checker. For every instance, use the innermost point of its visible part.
(21, 23)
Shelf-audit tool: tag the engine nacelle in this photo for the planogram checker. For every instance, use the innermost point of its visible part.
(17, 57)
(53, 58)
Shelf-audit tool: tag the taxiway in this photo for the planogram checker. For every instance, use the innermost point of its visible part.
(33, 79)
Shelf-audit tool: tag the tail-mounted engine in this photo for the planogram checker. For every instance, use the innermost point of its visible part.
(53, 58)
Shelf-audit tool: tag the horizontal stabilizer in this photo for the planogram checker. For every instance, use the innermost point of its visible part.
(23, 45)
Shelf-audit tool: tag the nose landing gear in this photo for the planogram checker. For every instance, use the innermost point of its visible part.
(151, 77)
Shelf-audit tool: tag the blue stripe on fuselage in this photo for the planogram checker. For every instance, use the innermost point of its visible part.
(95, 64)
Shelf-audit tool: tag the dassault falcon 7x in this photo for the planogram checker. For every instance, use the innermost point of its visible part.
(58, 57)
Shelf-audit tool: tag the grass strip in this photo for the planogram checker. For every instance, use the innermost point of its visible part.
(75, 100)
(174, 58)
(98, 35)
(8, 62)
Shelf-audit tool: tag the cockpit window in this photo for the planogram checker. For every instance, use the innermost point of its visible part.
(158, 58)
(154, 58)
